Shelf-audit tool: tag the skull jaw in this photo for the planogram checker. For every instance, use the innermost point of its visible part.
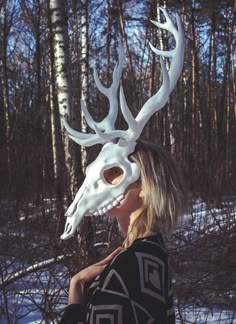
(66, 236)
(69, 230)
(72, 222)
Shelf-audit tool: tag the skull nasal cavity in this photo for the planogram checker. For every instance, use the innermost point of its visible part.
(113, 175)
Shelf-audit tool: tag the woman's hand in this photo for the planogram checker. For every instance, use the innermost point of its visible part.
(76, 290)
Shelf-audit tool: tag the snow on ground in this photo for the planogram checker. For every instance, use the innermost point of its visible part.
(205, 218)
(203, 315)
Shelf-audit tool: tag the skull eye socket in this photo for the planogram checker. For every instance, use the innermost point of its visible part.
(113, 175)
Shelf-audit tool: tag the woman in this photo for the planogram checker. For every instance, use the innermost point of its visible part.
(133, 284)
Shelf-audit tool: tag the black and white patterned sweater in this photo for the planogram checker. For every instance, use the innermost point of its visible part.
(135, 288)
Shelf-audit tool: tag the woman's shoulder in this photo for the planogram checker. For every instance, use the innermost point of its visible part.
(151, 245)
(142, 250)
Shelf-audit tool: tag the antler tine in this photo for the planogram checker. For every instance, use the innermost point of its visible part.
(107, 124)
(176, 53)
(84, 139)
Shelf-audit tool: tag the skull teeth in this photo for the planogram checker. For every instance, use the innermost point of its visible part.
(104, 209)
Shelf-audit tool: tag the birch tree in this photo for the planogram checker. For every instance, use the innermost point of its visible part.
(62, 67)
(52, 104)
(84, 72)
(57, 152)
(86, 238)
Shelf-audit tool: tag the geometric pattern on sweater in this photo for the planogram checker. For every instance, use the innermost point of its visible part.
(101, 314)
(151, 271)
(114, 279)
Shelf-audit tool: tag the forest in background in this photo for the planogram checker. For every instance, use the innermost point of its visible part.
(41, 169)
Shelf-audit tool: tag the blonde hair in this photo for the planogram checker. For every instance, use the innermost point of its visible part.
(163, 192)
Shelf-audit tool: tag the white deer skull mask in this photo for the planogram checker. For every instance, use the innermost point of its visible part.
(96, 196)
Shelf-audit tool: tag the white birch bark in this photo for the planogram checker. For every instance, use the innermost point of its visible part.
(84, 73)
(53, 128)
(62, 67)
(86, 238)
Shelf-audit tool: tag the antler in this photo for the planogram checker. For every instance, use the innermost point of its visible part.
(107, 124)
(155, 103)
(152, 105)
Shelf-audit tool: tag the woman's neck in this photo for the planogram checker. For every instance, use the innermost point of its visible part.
(123, 224)
(125, 220)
